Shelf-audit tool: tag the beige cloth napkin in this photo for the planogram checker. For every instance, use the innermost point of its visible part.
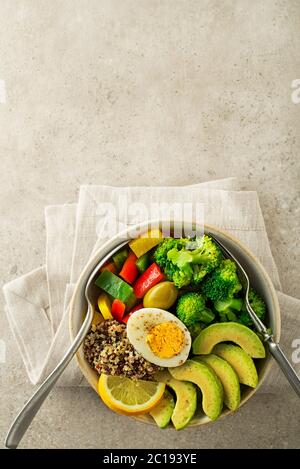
(37, 303)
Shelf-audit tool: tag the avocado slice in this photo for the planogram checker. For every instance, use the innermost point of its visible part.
(227, 376)
(228, 332)
(163, 411)
(186, 402)
(207, 380)
(240, 361)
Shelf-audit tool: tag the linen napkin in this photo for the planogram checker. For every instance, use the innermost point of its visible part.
(37, 303)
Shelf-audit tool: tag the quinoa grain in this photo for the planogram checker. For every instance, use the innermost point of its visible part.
(108, 351)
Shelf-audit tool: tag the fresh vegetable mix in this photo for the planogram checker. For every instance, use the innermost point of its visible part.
(191, 294)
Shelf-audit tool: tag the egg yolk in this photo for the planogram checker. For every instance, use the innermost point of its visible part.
(165, 340)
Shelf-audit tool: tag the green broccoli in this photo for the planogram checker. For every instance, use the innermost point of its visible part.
(257, 304)
(228, 309)
(207, 253)
(191, 309)
(181, 276)
(160, 254)
(202, 254)
(223, 283)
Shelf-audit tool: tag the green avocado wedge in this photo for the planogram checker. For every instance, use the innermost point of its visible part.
(240, 361)
(186, 402)
(163, 411)
(228, 332)
(227, 376)
(208, 382)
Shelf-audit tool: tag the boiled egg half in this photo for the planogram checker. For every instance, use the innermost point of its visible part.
(159, 336)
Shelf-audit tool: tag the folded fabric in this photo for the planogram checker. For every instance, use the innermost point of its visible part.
(37, 303)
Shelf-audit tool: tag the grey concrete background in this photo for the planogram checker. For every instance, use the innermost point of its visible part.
(145, 92)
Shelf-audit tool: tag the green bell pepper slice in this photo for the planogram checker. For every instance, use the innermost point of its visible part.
(120, 257)
(142, 262)
(114, 286)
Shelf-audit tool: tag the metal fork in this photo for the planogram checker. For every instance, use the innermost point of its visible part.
(27, 414)
(274, 348)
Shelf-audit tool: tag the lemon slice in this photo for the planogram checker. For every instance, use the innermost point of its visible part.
(129, 396)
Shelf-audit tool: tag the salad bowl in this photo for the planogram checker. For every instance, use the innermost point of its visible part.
(258, 277)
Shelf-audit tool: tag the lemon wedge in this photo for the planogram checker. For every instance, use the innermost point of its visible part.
(129, 396)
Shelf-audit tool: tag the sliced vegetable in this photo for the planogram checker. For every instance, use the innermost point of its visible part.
(142, 262)
(118, 309)
(114, 286)
(163, 295)
(146, 242)
(131, 302)
(104, 305)
(147, 280)
(109, 266)
(120, 257)
(97, 318)
(129, 270)
(134, 309)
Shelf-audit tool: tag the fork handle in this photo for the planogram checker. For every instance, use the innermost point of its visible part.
(30, 409)
(285, 365)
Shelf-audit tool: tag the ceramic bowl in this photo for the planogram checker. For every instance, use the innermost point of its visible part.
(259, 280)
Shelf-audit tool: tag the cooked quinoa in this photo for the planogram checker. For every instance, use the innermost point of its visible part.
(108, 350)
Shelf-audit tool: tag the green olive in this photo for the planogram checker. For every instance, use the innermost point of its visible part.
(163, 295)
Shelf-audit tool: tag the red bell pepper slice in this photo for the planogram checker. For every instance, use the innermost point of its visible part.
(129, 270)
(134, 309)
(118, 309)
(147, 280)
(109, 266)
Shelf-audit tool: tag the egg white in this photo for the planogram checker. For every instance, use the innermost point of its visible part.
(138, 327)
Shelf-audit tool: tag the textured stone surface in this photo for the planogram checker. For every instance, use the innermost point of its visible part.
(145, 92)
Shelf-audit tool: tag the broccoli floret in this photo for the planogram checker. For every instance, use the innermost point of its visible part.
(186, 261)
(181, 276)
(223, 283)
(204, 259)
(257, 304)
(228, 309)
(160, 254)
(199, 272)
(208, 253)
(191, 309)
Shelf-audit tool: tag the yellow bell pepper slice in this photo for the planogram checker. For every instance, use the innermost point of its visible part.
(104, 306)
(146, 242)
